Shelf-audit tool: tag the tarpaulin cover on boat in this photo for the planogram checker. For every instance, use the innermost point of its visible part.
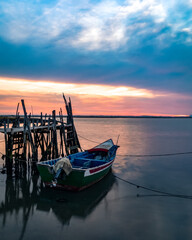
(64, 164)
(103, 147)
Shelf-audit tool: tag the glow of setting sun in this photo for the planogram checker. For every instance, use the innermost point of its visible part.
(21, 85)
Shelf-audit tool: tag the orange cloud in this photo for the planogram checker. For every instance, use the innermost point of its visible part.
(88, 99)
(22, 85)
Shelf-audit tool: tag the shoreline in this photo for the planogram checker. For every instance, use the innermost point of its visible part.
(97, 116)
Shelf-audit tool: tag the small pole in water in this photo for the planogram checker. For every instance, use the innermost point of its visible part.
(117, 139)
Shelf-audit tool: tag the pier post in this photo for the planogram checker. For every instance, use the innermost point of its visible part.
(8, 151)
(54, 137)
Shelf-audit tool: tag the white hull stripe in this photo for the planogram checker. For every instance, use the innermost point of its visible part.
(96, 170)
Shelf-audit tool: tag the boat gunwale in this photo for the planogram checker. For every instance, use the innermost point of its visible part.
(77, 168)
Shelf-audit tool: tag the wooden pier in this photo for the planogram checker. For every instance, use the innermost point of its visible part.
(30, 139)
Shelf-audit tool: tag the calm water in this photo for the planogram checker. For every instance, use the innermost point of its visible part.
(111, 209)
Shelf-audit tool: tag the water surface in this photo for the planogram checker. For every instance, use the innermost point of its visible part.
(112, 209)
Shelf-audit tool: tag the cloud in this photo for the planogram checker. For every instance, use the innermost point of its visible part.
(99, 105)
(104, 25)
(42, 87)
(145, 67)
(91, 99)
(139, 44)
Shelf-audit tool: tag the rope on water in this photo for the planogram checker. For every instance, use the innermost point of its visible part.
(143, 155)
(154, 155)
(155, 190)
(2, 154)
(88, 139)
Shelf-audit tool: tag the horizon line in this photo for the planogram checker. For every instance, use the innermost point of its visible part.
(103, 116)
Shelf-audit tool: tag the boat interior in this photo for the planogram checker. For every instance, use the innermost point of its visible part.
(88, 160)
(83, 160)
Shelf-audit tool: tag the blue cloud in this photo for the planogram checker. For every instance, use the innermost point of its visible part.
(137, 43)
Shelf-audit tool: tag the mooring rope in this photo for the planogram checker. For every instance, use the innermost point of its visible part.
(154, 155)
(154, 190)
(88, 139)
(2, 154)
(134, 155)
(142, 155)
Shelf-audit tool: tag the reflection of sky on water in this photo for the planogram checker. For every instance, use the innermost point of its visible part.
(117, 209)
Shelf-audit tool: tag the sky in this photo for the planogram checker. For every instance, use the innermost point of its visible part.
(116, 57)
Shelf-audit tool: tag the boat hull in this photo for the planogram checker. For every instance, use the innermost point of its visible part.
(86, 168)
(77, 180)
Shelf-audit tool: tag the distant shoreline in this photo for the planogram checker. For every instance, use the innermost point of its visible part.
(96, 116)
(101, 116)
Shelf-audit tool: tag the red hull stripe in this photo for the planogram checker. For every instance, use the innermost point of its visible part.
(97, 150)
(100, 168)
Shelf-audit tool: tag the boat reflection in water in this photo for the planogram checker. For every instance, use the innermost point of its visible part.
(25, 197)
(67, 204)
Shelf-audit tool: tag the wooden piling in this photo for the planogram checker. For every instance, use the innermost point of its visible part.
(27, 135)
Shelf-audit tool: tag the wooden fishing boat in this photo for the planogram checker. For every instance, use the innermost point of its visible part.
(87, 167)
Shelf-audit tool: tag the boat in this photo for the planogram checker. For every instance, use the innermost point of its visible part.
(79, 170)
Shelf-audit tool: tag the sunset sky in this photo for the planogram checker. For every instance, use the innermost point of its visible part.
(111, 57)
